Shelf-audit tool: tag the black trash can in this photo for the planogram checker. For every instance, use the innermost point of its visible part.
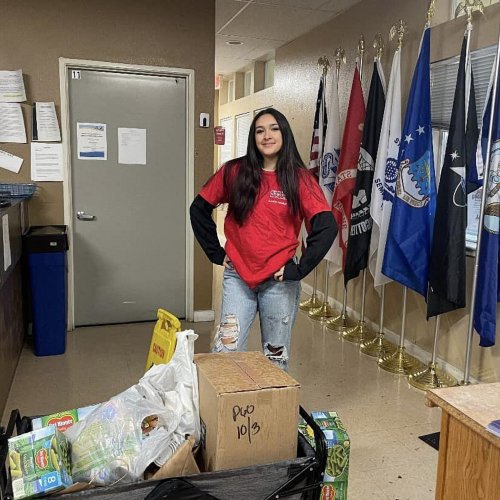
(46, 255)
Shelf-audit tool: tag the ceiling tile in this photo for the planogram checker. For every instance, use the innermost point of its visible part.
(303, 4)
(265, 25)
(338, 6)
(252, 49)
(225, 10)
(274, 22)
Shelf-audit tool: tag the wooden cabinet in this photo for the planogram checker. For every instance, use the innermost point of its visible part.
(469, 455)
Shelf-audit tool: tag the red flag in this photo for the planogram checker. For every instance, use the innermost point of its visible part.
(348, 162)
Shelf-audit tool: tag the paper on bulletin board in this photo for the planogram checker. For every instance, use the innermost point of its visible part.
(7, 256)
(10, 162)
(46, 162)
(12, 123)
(12, 86)
(92, 141)
(132, 146)
(45, 124)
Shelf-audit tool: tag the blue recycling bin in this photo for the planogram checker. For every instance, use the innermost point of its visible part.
(46, 253)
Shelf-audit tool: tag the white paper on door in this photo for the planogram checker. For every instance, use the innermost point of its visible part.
(92, 141)
(11, 123)
(46, 162)
(10, 162)
(12, 86)
(132, 146)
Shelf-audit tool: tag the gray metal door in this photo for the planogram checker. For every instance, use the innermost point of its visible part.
(129, 220)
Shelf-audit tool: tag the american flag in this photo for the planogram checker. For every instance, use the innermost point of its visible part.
(318, 136)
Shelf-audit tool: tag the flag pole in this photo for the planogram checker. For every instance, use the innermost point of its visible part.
(313, 302)
(325, 311)
(400, 362)
(343, 324)
(470, 330)
(362, 334)
(432, 377)
(379, 347)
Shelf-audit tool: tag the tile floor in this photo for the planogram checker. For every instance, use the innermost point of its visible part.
(383, 414)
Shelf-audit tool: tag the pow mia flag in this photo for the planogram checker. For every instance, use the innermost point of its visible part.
(361, 221)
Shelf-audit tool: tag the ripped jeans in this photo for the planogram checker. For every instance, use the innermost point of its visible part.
(277, 303)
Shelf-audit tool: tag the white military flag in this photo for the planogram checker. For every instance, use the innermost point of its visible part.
(386, 170)
(329, 164)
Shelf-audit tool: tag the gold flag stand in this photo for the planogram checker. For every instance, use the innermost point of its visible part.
(361, 333)
(343, 324)
(313, 302)
(400, 362)
(378, 347)
(431, 377)
(324, 312)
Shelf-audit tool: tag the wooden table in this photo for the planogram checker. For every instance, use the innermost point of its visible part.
(469, 455)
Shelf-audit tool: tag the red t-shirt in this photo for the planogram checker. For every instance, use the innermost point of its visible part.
(268, 238)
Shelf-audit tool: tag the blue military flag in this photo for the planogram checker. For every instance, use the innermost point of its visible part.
(408, 246)
(488, 284)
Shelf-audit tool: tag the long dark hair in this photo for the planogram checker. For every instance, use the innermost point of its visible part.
(243, 185)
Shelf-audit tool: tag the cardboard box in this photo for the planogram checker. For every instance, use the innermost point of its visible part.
(248, 408)
(39, 463)
(337, 463)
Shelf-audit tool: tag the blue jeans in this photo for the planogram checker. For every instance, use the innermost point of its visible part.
(277, 303)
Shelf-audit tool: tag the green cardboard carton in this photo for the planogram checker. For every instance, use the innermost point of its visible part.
(337, 463)
(39, 463)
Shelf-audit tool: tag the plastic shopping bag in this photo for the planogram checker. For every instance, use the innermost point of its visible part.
(144, 424)
(180, 376)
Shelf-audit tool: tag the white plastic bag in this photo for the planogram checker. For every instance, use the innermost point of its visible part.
(144, 424)
(180, 376)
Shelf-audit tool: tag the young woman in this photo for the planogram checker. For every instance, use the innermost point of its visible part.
(269, 193)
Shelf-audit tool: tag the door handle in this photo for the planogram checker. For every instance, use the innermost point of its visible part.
(84, 216)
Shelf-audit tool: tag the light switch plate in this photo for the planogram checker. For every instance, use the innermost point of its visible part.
(204, 120)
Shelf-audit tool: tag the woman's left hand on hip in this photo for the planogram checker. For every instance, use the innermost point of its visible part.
(278, 275)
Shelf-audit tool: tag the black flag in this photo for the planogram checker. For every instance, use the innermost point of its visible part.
(447, 263)
(361, 222)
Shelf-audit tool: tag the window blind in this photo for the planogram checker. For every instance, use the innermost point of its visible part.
(226, 151)
(444, 80)
(242, 129)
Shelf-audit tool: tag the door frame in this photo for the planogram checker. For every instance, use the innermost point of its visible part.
(188, 75)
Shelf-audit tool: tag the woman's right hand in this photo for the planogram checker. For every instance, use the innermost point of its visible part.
(227, 263)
